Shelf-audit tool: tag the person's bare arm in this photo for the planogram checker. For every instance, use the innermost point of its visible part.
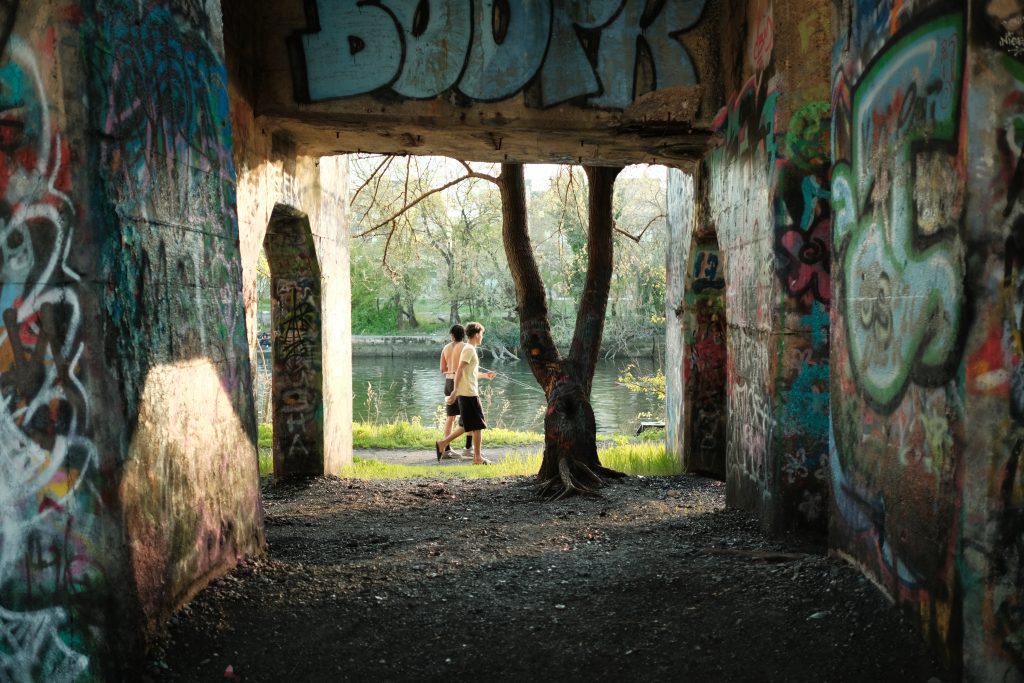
(444, 361)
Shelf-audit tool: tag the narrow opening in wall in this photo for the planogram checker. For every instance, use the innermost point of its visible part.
(704, 359)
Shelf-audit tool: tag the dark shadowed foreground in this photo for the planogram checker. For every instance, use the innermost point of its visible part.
(478, 580)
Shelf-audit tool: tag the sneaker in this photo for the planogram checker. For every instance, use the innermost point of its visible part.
(449, 455)
(467, 453)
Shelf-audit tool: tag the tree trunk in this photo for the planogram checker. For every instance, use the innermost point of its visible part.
(406, 314)
(570, 464)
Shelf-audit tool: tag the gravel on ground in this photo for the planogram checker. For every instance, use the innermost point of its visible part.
(470, 580)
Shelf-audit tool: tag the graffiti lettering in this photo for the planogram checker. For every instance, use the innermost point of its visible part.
(491, 50)
(499, 65)
(902, 263)
(297, 354)
(48, 499)
(705, 272)
(298, 412)
(751, 423)
(567, 72)
(297, 328)
(803, 250)
(43, 655)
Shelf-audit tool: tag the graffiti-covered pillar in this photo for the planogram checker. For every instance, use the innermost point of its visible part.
(128, 471)
(680, 220)
(296, 323)
(64, 575)
(767, 191)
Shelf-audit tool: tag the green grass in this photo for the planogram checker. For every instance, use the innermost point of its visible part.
(645, 459)
(640, 458)
(265, 448)
(266, 435)
(648, 457)
(415, 435)
(513, 466)
(651, 435)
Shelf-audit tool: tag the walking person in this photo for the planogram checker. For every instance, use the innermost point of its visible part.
(449, 363)
(467, 394)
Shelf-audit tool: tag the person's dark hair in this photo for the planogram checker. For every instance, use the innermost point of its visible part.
(473, 329)
(458, 332)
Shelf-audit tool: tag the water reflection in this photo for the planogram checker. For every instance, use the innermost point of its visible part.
(386, 389)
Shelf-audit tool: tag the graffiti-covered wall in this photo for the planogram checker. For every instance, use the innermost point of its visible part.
(311, 347)
(926, 444)
(60, 556)
(120, 493)
(767, 193)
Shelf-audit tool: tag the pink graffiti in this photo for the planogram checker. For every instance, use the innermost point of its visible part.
(809, 274)
(764, 42)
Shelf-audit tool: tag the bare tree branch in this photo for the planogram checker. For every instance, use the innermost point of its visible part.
(409, 204)
(377, 174)
(637, 238)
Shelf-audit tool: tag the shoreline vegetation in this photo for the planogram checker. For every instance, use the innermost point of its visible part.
(637, 455)
(417, 345)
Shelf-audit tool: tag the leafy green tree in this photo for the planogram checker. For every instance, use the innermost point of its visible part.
(433, 221)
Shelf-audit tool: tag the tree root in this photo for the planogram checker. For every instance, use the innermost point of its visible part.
(575, 478)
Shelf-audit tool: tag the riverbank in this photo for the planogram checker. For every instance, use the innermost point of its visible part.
(417, 346)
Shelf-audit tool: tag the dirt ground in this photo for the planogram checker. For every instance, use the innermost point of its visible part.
(430, 580)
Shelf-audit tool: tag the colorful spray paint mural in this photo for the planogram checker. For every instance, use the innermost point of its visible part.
(486, 50)
(994, 573)
(898, 198)
(168, 172)
(50, 501)
(803, 248)
(769, 191)
(297, 344)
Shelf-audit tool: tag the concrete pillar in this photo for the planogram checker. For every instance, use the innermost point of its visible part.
(127, 440)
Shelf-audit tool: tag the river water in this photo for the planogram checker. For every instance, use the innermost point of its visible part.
(387, 389)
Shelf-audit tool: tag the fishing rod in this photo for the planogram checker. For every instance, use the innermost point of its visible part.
(515, 381)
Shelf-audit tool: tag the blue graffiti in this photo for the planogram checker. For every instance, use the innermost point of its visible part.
(499, 65)
(705, 273)
(436, 44)
(491, 50)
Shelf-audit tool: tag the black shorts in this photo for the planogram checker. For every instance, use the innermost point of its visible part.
(450, 409)
(472, 413)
